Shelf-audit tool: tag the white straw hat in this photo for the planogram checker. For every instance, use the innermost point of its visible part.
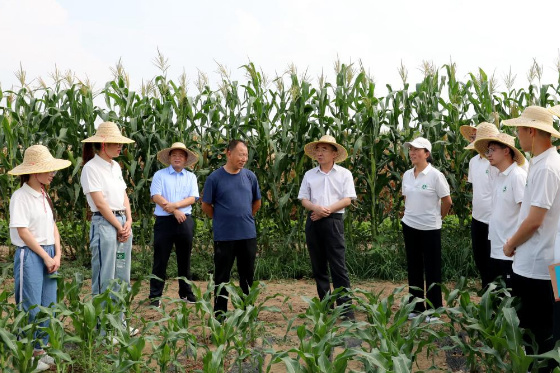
(163, 155)
(420, 143)
(37, 159)
(555, 110)
(108, 133)
(483, 130)
(535, 117)
(342, 154)
(481, 146)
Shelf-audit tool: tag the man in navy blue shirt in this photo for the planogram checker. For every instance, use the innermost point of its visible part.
(231, 198)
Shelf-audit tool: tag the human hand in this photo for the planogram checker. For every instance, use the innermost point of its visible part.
(180, 216)
(56, 263)
(509, 251)
(170, 207)
(50, 264)
(321, 211)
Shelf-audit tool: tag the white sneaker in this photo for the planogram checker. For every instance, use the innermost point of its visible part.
(431, 319)
(132, 331)
(47, 359)
(41, 367)
(413, 315)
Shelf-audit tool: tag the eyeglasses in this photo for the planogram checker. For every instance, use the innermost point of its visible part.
(490, 151)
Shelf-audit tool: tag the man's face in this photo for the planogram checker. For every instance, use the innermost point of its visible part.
(525, 140)
(325, 154)
(237, 157)
(496, 155)
(178, 158)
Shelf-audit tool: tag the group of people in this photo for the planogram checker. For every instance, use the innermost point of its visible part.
(515, 217)
(514, 224)
(231, 198)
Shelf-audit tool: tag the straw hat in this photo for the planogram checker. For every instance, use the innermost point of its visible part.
(163, 155)
(535, 117)
(37, 159)
(420, 143)
(483, 130)
(481, 146)
(109, 133)
(310, 148)
(555, 110)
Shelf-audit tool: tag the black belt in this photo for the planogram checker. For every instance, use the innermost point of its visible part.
(333, 216)
(117, 213)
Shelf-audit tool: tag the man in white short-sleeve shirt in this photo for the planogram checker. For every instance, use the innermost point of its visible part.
(532, 245)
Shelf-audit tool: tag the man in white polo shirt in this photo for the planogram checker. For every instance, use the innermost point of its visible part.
(532, 245)
(481, 175)
(509, 188)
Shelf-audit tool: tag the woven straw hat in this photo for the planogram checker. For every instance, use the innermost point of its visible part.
(481, 146)
(342, 154)
(483, 130)
(163, 155)
(37, 159)
(555, 110)
(108, 133)
(535, 117)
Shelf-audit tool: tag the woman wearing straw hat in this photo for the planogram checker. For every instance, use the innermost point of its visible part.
(508, 191)
(427, 202)
(34, 233)
(481, 175)
(111, 223)
(174, 190)
(532, 244)
(326, 191)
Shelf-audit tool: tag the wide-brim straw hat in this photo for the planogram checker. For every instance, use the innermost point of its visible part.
(483, 130)
(37, 159)
(108, 133)
(555, 110)
(481, 146)
(163, 155)
(535, 117)
(341, 155)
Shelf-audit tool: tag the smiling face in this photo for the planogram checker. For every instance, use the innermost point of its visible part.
(237, 157)
(178, 159)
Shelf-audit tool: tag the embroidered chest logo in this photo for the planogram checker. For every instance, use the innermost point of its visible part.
(487, 172)
(424, 186)
(505, 188)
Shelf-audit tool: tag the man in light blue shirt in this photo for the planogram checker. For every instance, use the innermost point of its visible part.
(174, 190)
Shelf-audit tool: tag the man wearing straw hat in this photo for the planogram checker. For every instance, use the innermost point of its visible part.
(532, 245)
(509, 188)
(326, 191)
(174, 190)
(232, 197)
(481, 174)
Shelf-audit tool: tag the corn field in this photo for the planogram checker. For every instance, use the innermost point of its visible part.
(277, 118)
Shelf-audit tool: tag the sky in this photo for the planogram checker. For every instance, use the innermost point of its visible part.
(90, 37)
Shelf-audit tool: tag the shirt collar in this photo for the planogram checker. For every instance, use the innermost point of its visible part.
(508, 170)
(31, 191)
(427, 169)
(543, 155)
(172, 171)
(335, 168)
(103, 163)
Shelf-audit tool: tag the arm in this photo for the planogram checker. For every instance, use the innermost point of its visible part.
(526, 230)
(104, 209)
(256, 206)
(317, 212)
(57, 251)
(126, 230)
(31, 242)
(172, 206)
(339, 205)
(445, 206)
(208, 209)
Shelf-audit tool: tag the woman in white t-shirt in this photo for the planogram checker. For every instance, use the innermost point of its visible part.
(111, 223)
(34, 233)
(427, 201)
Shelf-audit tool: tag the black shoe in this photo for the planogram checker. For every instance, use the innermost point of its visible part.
(155, 303)
(348, 315)
(190, 299)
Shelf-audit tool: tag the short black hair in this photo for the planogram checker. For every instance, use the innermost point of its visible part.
(233, 144)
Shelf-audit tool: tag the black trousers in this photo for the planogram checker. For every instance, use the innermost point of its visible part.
(500, 267)
(536, 312)
(168, 232)
(423, 257)
(481, 251)
(327, 250)
(225, 253)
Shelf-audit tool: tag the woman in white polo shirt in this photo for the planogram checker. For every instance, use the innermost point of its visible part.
(34, 233)
(111, 223)
(427, 201)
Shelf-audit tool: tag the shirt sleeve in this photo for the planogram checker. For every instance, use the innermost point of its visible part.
(90, 180)
(208, 191)
(442, 187)
(193, 187)
(469, 177)
(157, 185)
(349, 189)
(19, 217)
(543, 195)
(518, 186)
(304, 190)
(255, 187)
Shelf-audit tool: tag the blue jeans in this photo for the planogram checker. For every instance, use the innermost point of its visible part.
(105, 248)
(34, 285)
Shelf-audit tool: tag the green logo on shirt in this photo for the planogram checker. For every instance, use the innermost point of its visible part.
(505, 188)
(424, 186)
(487, 171)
